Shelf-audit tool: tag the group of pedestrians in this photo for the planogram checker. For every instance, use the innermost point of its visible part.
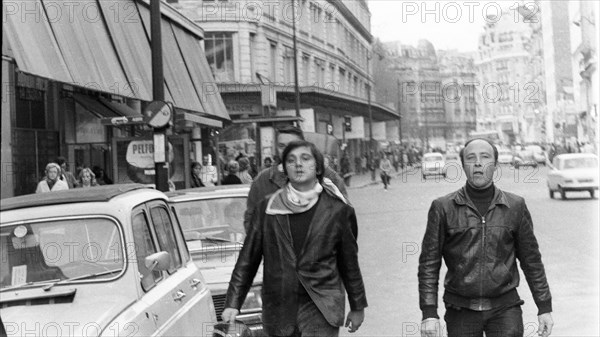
(57, 177)
(300, 224)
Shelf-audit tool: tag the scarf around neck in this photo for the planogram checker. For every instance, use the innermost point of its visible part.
(288, 200)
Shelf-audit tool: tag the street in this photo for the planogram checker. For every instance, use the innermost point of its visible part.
(392, 223)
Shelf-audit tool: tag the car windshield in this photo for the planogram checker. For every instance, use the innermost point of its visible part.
(59, 250)
(576, 163)
(432, 158)
(213, 219)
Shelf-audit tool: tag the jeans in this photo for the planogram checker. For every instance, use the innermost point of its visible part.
(310, 322)
(501, 322)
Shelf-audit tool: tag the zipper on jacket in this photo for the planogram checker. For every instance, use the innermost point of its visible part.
(484, 258)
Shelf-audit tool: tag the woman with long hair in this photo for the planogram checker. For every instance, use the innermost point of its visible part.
(86, 178)
(197, 175)
(306, 235)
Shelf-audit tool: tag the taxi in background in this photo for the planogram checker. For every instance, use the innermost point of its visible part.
(573, 172)
(104, 261)
(212, 219)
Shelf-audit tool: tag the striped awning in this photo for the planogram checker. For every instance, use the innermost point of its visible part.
(104, 45)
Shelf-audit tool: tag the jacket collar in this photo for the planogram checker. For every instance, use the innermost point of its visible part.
(462, 198)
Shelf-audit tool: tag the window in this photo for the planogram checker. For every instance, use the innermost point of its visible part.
(273, 61)
(144, 246)
(31, 111)
(288, 65)
(252, 57)
(219, 54)
(166, 236)
(319, 72)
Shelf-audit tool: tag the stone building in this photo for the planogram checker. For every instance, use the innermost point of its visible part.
(249, 46)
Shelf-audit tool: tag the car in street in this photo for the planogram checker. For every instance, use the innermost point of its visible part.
(103, 261)
(573, 172)
(505, 156)
(538, 153)
(524, 158)
(433, 163)
(212, 219)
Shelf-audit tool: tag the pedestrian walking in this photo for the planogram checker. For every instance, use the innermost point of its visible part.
(269, 181)
(244, 173)
(232, 179)
(305, 234)
(480, 231)
(385, 166)
(86, 178)
(363, 164)
(196, 180)
(346, 170)
(65, 175)
(51, 181)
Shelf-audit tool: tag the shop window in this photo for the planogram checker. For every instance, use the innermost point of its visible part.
(31, 111)
(32, 150)
(219, 54)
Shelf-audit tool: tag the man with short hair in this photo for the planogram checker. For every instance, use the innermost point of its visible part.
(480, 231)
(270, 180)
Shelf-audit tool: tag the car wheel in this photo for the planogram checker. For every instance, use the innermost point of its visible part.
(563, 194)
(551, 193)
(592, 194)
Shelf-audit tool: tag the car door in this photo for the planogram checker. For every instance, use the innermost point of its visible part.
(186, 293)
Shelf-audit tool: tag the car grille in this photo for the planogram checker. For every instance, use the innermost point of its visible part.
(219, 302)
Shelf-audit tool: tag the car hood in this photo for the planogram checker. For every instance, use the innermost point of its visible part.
(217, 262)
(78, 318)
(579, 173)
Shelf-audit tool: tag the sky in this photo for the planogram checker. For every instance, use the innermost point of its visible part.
(459, 22)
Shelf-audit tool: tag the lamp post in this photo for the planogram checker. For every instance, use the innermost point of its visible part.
(399, 112)
(161, 166)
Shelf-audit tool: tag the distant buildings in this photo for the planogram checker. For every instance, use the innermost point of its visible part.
(435, 92)
(583, 19)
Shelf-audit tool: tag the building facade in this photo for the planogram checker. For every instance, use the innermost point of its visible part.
(584, 57)
(79, 90)
(249, 46)
(505, 94)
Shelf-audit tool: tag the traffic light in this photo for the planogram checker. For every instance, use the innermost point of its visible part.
(348, 124)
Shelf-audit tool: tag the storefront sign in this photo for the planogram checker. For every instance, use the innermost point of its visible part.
(88, 127)
(140, 153)
(243, 109)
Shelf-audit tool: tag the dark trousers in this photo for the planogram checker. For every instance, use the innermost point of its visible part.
(385, 179)
(502, 322)
(310, 322)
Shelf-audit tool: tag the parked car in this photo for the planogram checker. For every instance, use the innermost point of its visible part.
(212, 219)
(109, 260)
(524, 158)
(433, 164)
(573, 172)
(538, 154)
(505, 156)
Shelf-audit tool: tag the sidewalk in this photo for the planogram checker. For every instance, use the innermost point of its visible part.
(364, 180)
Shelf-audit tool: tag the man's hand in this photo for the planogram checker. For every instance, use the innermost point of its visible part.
(430, 327)
(229, 315)
(546, 324)
(355, 320)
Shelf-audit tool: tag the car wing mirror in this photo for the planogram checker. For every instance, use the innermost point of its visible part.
(158, 261)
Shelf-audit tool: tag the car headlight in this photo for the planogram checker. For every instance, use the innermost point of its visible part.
(253, 300)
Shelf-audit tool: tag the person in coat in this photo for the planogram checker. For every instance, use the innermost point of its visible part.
(51, 181)
(270, 180)
(306, 233)
(480, 231)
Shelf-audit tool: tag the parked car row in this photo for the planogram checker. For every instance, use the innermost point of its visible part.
(121, 260)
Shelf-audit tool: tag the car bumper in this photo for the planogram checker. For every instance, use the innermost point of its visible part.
(579, 188)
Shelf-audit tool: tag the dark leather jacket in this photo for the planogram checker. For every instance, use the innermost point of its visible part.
(327, 267)
(480, 252)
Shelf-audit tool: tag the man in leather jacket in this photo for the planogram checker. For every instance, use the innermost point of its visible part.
(480, 231)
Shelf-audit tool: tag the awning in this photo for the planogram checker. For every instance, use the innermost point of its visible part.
(267, 119)
(111, 51)
(104, 108)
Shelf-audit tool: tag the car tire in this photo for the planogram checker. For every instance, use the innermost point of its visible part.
(591, 194)
(551, 193)
(563, 194)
